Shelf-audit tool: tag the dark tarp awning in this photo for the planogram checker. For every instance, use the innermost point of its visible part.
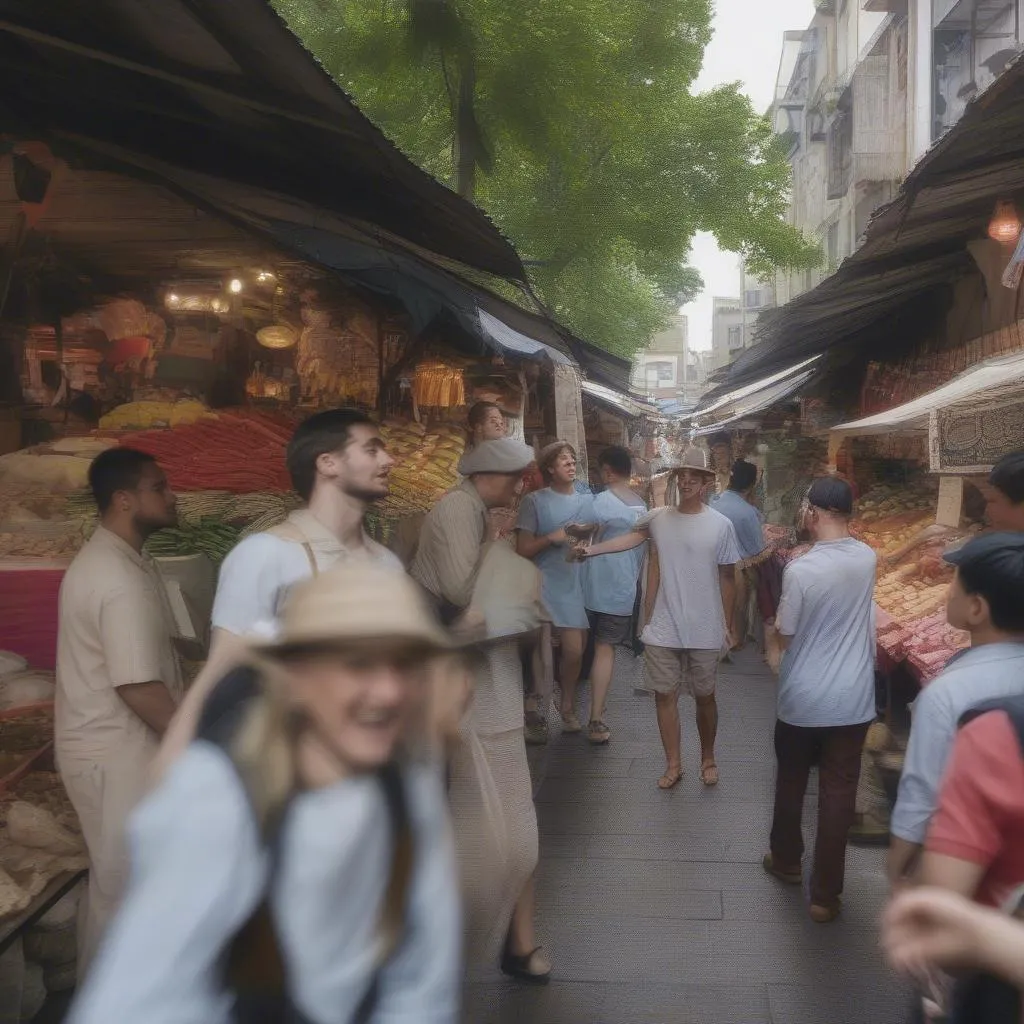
(224, 87)
(895, 289)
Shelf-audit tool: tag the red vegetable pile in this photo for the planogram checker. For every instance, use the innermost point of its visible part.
(239, 452)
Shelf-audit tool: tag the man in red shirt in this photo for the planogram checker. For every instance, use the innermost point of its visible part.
(975, 843)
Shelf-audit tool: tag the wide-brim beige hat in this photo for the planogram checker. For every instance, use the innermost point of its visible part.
(359, 606)
(694, 457)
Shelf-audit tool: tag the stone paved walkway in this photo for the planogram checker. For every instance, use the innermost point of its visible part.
(654, 906)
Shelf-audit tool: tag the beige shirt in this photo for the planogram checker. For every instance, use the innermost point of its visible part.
(115, 629)
(451, 542)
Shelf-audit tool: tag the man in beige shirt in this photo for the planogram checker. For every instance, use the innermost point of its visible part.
(118, 677)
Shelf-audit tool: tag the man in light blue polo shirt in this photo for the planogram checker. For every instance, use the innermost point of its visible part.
(984, 599)
(735, 506)
(609, 583)
(826, 700)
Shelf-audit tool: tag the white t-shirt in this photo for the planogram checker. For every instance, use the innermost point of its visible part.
(258, 573)
(828, 672)
(688, 612)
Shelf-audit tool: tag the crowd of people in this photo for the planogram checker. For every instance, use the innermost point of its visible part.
(335, 821)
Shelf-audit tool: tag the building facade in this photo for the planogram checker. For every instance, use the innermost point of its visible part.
(861, 95)
(668, 368)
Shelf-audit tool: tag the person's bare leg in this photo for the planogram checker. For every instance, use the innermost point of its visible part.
(601, 680)
(573, 642)
(707, 729)
(522, 934)
(667, 705)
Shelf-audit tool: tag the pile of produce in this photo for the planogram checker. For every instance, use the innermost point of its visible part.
(930, 642)
(425, 467)
(16, 545)
(907, 595)
(49, 469)
(148, 414)
(240, 452)
(209, 537)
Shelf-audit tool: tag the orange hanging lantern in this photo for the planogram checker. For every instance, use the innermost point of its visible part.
(1005, 226)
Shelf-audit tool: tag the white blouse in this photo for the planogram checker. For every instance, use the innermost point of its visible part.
(199, 871)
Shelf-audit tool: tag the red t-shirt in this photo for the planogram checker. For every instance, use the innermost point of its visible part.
(980, 817)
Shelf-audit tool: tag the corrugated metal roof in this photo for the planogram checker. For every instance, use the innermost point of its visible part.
(893, 290)
(223, 87)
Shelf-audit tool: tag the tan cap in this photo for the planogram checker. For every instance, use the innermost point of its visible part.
(355, 605)
(694, 457)
(504, 455)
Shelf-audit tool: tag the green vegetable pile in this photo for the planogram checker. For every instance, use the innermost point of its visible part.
(209, 537)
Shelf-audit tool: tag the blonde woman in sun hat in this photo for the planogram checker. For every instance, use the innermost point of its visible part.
(296, 861)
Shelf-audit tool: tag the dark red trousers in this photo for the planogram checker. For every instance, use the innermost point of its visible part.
(836, 751)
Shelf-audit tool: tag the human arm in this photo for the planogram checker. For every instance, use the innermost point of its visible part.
(458, 536)
(727, 585)
(982, 793)
(932, 733)
(791, 601)
(926, 929)
(137, 649)
(653, 582)
(624, 542)
(227, 649)
(530, 542)
(421, 985)
(152, 702)
(197, 872)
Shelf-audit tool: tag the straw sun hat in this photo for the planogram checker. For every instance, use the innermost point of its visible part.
(694, 457)
(358, 606)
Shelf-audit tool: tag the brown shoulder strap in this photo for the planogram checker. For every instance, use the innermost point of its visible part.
(289, 531)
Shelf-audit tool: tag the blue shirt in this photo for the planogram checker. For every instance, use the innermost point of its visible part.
(827, 608)
(609, 582)
(544, 512)
(746, 520)
(973, 677)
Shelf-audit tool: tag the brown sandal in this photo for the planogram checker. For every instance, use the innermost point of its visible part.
(709, 773)
(670, 779)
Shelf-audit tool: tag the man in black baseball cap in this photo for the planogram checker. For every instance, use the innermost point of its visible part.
(986, 598)
(1004, 493)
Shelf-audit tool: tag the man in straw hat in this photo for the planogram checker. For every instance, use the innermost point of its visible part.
(301, 828)
(497, 837)
(339, 466)
(690, 601)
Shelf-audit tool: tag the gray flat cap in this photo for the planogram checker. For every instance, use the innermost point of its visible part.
(502, 456)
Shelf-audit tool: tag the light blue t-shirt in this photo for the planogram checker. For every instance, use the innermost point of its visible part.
(827, 607)
(609, 582)
(746, 520)
(971, 678)
(544, 512)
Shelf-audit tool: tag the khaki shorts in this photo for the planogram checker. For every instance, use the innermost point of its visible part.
(668, 670)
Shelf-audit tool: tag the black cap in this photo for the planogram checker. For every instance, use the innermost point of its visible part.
(831, 494)
(1002, 553)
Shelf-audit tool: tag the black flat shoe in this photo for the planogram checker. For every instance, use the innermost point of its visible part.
(525, 968)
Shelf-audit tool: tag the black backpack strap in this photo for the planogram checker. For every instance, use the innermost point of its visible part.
(1013, 707)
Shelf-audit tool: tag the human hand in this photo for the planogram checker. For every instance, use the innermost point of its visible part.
(928, 928)
(559, 537)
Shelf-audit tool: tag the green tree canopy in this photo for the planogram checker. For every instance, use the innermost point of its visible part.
(572, 123)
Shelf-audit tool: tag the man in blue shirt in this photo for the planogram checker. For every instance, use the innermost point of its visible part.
(609, 583)
(734, 504)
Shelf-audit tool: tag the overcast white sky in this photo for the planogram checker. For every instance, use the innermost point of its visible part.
(746, 48)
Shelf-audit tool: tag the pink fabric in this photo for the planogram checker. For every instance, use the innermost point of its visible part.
(28, 614)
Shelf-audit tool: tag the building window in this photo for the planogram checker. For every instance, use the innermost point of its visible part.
(660, 374)
(735, 337)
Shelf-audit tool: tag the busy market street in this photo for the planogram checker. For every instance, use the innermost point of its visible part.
(512, 512)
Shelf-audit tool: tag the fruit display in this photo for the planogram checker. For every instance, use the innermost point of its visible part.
(239, 451)
(930, 642)
(426, 466)
(148, 414)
